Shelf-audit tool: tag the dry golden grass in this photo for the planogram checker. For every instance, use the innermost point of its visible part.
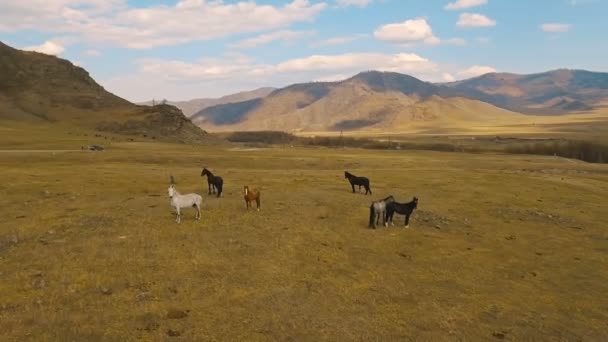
(588, 126)
(510, 247)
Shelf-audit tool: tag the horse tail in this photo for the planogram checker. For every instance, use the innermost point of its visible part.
(371, 215)
(220, 186)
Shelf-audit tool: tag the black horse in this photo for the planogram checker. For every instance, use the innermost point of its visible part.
(360, 181)
(214, 182)
(400, 208)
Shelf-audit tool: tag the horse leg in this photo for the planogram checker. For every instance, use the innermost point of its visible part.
(247, 204)
(407, 220)
(387, 217)
(353, 185)
(371, 216)
(178, 218)
(257, 201)
(209, 185)
(198, 212)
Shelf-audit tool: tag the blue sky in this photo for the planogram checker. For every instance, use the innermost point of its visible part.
(195, 48)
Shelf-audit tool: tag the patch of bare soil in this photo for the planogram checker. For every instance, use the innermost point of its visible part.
(535, 215)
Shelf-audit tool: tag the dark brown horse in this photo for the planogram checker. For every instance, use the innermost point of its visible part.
(214, 182)
(252, 194)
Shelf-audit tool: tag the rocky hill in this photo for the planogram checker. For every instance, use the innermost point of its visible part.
(39, 88)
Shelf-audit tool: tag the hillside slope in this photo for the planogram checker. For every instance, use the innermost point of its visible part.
(370, 100)
(39, 88)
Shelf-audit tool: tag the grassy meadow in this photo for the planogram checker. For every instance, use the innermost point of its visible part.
(501, 247)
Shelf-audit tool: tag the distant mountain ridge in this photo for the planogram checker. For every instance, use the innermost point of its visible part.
(193, 106)
(383, 99)
(548, 93)
(40, 88)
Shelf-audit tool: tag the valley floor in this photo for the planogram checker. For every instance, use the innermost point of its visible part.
(501, 246)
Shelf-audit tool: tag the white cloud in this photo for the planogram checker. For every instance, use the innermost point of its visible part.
(177, 80)
(48, 47)
(266, 38)
(474, 20)
(92, 53)
(456, 41)
(581, 2)
(555, 27)
(476, 70)
(358, 3)
(447, 77)
(407, 32)
(401, 62)
(462, 4)
(332, 78)
(112, 22)
(338, 40)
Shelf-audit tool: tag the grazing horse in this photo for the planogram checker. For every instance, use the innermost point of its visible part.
(360, 181)
(179, 201)
(214, 182)
(377, 209)
(251, 195)
(400, 208)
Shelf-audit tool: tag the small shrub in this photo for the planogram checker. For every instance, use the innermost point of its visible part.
(583, 150)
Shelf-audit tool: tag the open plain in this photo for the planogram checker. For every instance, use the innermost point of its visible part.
(507, 247)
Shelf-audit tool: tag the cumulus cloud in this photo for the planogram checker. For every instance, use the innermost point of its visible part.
(341, 40)
(216, 77)
(408, 32)
(456, 41)
(113, 22)
(358, 3)
(476, 70)
(474, 20)
(447, 77)
(48, 47)
(462, 4)
(266, 38)
(555, 27)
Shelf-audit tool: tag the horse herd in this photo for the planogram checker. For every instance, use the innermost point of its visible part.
(385, 208)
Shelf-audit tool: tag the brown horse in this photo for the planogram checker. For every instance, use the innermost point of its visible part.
(252, 195)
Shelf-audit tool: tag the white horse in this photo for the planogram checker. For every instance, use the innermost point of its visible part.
(179, 201)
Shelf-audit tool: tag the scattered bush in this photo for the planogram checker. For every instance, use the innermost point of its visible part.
(583, 150)
(265, 137)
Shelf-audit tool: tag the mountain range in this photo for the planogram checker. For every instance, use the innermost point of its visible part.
(39, 88)
(193, 106)
(383, 100)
